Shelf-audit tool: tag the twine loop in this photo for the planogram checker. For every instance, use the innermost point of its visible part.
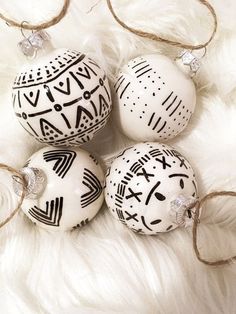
(36, 27)
(168, 41)
(198, 206)
(17, 174)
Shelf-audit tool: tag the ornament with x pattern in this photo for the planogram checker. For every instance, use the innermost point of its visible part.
(148, 186)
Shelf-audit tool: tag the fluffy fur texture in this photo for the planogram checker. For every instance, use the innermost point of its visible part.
(105, 268)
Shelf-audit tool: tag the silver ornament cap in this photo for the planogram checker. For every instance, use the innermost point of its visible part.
(35, 183)
(182, 210)
(31, 44)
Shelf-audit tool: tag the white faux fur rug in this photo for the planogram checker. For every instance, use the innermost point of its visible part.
(104, 267)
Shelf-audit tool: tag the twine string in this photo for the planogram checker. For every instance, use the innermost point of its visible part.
(165, 40)
(36, 27)
(17, 174)
(198, 206)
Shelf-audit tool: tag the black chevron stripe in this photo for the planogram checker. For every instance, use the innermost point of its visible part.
(63, 160)
(51, 215)
(94, 186)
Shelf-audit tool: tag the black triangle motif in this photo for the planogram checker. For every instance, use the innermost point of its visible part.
(64, 91)
(51, 215)
(94, 186)
(63, 160)
(102, 104)
(81, 110)
(29, 98)
(46, 127)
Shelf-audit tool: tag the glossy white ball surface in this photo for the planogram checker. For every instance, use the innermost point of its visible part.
(143, 181)
(154, 99)
(73, 192)
(63, 98)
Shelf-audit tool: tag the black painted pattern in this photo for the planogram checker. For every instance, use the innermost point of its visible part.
(37, 99)
(52, 213)
(94, 186)
(62, 160)
(144, 185)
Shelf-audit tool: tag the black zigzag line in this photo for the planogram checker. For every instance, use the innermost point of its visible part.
(95, 188)
(51, 215)
(64, 160)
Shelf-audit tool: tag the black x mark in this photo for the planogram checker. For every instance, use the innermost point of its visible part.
(163, 161)
(133, 217)
(133, 194)
(145, 174)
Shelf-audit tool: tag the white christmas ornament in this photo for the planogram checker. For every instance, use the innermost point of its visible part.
(156, 96)
(149, 188)
(63, 98)
(72, 192)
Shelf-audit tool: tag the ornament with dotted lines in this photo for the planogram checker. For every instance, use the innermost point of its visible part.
(148, 187)
(64, 188)
(62, 98)
(158, 97)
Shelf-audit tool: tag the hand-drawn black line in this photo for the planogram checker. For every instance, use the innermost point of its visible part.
(51, 215)
(35, 133)
(155, 222)
(120, 83)
(39, 113)
(144, 223)
(131, 216)
(46, 127)
(29, 98)
(66, 120)
(163, 162)
(155, 153)
(85, 74)
(170, 227)
(49, 93)
(155, 123)
(136, 65)
(118, 80)
(175, 108)
(182, 161)
(63, 160)
(145, 174)
(123, 91)
(158, 196)
(195, 186)
(94, 186)
(144, 73)
(135, 167)
(142, 68)
(134, 194)
(168, 152)
(78, 60)
(121, 189)
(168, 97)
(65, 91)
(87, 66)
(178, 175)
(128, 176)
(77, 80)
